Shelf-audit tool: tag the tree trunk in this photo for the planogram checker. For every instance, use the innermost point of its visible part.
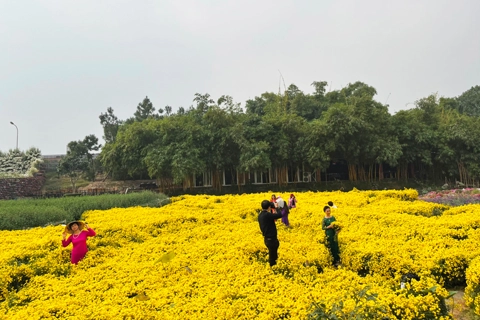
(412, 170)
(371, 173)
(352, 172)
(380, 172)
(362, 176)
(74, 184)
(216, 180)
(187, 182)
(463, 173)
(240, 180)
(402, 172)
(282, 175)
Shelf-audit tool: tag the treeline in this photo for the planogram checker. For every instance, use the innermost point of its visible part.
(437, 140)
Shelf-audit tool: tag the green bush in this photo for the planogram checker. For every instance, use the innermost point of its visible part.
(29, 213)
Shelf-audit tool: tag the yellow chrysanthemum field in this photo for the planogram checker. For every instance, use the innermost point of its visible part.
(203, 257)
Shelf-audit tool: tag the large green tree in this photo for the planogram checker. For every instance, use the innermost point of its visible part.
(469, 102)
(219, 150)
(145, 109)
(79, 160)
(174, 154)
(110, 124)
(459, 148)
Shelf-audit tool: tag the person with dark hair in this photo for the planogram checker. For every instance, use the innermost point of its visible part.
(266, 220)
(273, 199)
(285, 212)
(78, 238)
(292, 201)
(283, 208)
(330, 203)
(327, 225)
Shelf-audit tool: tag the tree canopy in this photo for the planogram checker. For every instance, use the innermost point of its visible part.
(79, 160)
(281, 132)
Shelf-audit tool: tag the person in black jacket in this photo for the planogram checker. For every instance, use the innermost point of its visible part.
(266, 220)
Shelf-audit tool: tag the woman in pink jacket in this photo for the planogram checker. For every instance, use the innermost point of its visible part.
(292, 201)
(78, 238)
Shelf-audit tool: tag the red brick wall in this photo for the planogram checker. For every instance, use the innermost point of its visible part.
(13, 188)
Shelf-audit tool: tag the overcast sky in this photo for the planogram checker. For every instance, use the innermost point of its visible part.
(64, 62)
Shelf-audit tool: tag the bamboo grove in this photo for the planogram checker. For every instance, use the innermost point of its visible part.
(437, 140)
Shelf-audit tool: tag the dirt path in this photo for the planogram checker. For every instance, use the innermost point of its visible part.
(458, 309)
(121, 184)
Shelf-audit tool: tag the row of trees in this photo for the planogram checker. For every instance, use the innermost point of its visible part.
(437, 140)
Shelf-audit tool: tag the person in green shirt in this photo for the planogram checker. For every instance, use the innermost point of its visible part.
(330, 232)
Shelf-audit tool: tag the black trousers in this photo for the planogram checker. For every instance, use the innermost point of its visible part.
(272, 245)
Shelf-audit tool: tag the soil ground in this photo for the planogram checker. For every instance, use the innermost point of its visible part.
(458, 309)
(99, 184)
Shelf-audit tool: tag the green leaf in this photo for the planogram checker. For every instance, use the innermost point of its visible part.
(141, 297)
(167, 257)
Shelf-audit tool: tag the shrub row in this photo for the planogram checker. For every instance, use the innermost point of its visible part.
(29, 213)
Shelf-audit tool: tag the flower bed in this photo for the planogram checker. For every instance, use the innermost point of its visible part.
(454, 197)
(203, 257)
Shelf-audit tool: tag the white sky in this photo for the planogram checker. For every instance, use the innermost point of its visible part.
(64, 62)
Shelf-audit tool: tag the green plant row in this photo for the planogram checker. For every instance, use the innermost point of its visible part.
(30, 213)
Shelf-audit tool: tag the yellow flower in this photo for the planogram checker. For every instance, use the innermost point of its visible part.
(219, 265)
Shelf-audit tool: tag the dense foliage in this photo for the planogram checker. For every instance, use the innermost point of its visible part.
(203, 257)
(29, 213)
(79, 160)
(437, 140)
(16, 163)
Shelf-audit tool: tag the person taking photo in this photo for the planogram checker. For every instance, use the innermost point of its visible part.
(266, 220)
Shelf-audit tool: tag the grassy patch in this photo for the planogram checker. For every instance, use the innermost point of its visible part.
(29, 213)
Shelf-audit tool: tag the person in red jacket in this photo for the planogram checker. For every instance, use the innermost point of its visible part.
(78, 239)
(273, 199)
